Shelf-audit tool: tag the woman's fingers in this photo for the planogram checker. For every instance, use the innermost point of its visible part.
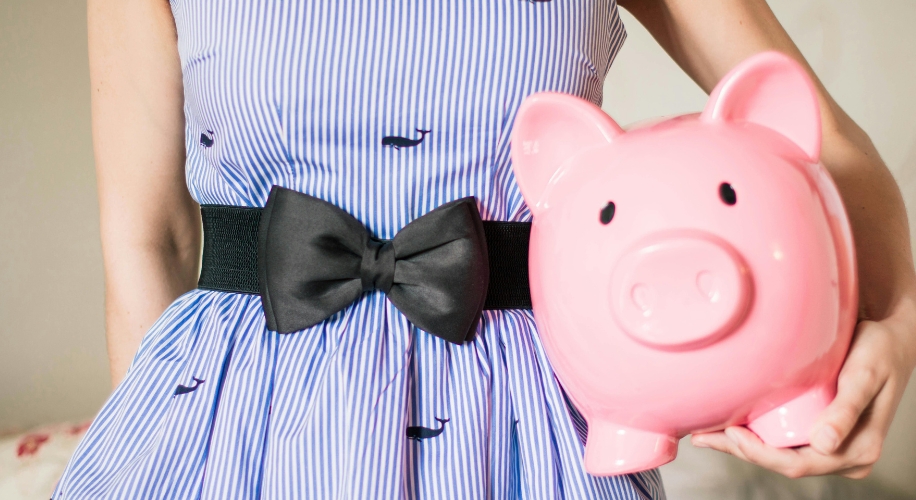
(790, 462)
(854, 461)
(848, 438)
(855, 392)
(745, 445)
(786, 461)
(717, 441)
(859, 382)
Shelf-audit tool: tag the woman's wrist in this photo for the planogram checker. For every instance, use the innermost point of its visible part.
(141, 281)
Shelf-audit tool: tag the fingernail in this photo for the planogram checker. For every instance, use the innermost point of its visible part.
(699, 443)
(825, 440)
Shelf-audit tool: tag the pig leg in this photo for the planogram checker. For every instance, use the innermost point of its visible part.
(790, 424)
(616, 449)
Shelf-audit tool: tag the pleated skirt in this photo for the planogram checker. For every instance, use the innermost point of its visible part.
(216, 406)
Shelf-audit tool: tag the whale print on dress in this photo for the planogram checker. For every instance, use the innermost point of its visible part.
(206, 140)
(182, 389)
(398, 142)
(418, 433)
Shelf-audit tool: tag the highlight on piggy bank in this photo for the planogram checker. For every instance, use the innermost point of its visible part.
(692, 273)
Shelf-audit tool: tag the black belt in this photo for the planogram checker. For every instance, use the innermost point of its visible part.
(293, 228)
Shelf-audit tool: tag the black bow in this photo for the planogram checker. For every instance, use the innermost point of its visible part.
(314, 259)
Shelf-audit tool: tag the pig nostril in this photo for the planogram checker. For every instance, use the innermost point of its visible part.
(706, 282)
(644, 297)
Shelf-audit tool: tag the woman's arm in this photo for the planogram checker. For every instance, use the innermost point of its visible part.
(150, 225)
(707, 38)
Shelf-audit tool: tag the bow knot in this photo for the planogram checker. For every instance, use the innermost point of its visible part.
(377, 269)
(314, 259)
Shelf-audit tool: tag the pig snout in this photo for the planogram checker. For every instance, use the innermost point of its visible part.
(680, 290)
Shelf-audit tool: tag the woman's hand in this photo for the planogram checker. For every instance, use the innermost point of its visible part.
(848, 437)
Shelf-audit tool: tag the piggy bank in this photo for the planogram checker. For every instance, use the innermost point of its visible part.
(692, 273)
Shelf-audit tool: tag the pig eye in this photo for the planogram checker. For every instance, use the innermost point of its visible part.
(727, 194)
(607, 213)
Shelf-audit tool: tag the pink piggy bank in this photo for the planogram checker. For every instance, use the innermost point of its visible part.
(692, 273)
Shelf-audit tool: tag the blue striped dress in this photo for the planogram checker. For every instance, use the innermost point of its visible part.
(300, 94)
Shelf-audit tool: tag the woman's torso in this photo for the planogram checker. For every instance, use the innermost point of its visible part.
(302, 95)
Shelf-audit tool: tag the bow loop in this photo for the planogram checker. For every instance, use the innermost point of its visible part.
(314, 259)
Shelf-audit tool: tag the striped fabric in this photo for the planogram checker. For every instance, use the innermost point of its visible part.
(364, 405)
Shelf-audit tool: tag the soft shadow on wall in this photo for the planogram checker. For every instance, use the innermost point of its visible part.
(53, 365)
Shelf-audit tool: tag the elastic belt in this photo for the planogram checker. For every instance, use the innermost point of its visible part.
(230, 257)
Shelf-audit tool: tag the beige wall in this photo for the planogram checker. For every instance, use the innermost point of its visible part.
(52, 348)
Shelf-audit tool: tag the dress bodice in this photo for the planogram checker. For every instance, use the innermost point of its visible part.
(387, 109)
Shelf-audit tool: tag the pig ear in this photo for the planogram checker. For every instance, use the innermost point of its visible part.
(772, 90)
(549, 129)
